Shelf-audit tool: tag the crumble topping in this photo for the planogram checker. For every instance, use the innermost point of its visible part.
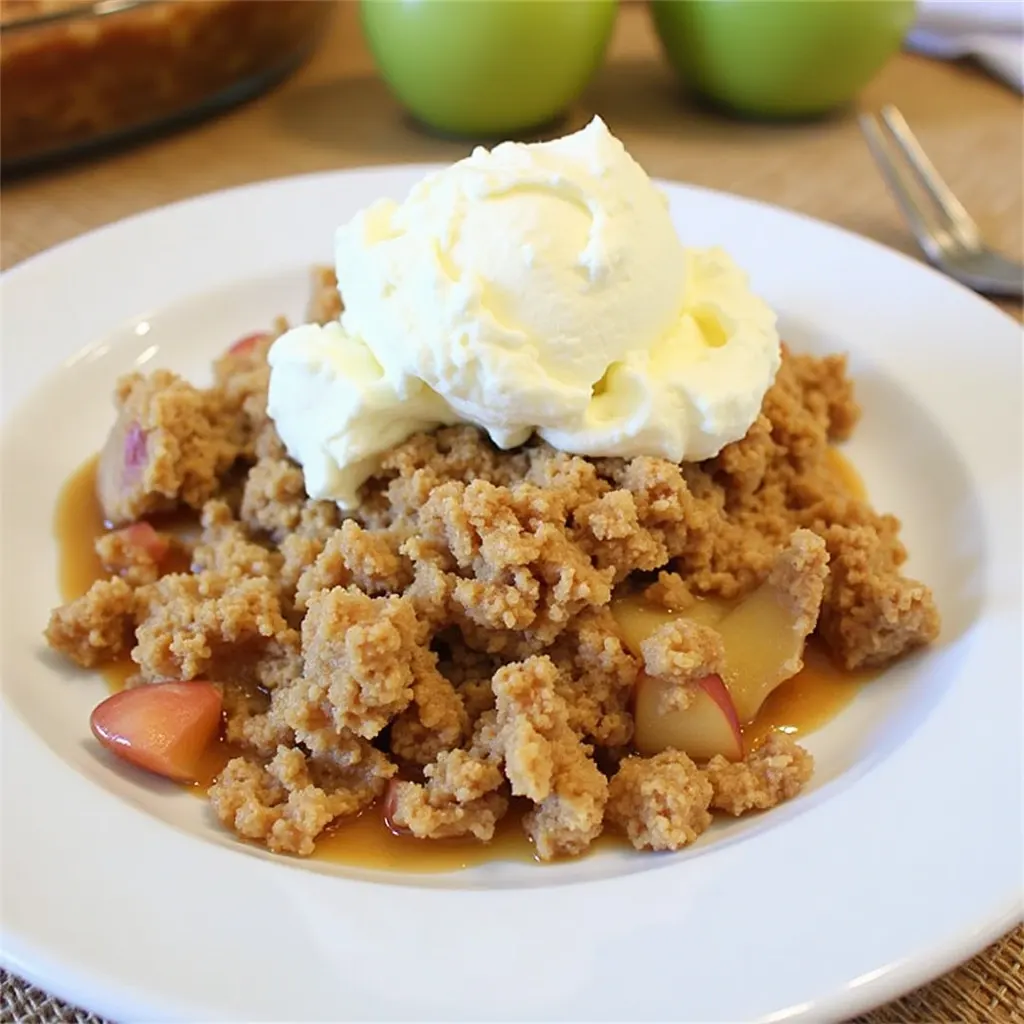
(451, 645)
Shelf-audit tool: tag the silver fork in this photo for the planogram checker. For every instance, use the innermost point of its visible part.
(946, 233)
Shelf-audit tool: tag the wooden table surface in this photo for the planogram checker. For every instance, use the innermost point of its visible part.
(336, 112)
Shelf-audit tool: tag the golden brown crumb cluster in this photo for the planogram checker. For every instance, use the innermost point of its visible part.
(452, 645)
(660, 802)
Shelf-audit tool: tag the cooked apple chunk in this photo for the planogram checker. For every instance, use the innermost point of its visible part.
(708, 671)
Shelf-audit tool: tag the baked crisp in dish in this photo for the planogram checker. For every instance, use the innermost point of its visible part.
(462, 637)
(75, 73)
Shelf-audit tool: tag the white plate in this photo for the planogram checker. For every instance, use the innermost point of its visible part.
(903, 857)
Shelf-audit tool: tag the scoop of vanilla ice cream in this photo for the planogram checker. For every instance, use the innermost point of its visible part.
(530, 288)
(336, 412)
(510, 282)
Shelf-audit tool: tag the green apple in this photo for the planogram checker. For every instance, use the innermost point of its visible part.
(487, 67)
(780, 58)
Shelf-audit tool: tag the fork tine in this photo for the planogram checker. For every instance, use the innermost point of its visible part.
(958, 221)
(920, 224)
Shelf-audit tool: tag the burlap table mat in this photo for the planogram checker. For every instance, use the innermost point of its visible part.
(336, 113)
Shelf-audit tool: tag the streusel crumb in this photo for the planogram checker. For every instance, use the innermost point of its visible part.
(138, 553)
(460, 797)
(361, 658)
(367, 559)
(171, 444)
(273, 498)
(325, 299)
(596, 677)
(660, 802)
(288, 802)
(95, 627)
(436, 721)
(873, 613)
(188, 624)
(680, 653)
(241, 378)
(546, 761)
(225, 547)
(774, 771)
(798, 576)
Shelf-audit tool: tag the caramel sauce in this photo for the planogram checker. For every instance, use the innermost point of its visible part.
(212, 764)
(807, 701)
(800, 705)
(78, 522)
(117, 673)
(367, 841)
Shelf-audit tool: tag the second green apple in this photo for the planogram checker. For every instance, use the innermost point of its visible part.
(487, 67)
(780, 58)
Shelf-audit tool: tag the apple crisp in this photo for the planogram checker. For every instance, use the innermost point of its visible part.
(453, 645)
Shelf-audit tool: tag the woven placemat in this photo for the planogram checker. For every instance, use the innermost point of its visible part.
(336, 113)
(986, 990)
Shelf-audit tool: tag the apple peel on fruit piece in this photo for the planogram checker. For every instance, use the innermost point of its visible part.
(246, 344)
(706, 726)
(680, 700)
(702, 683)
(164, 728)
(142, 537)
(681, 654)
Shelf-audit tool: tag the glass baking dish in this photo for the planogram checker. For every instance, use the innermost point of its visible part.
(77, 74)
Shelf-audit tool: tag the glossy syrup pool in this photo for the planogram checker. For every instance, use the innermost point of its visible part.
(800, 705)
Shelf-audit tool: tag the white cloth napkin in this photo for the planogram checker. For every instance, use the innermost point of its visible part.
(990, 31)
